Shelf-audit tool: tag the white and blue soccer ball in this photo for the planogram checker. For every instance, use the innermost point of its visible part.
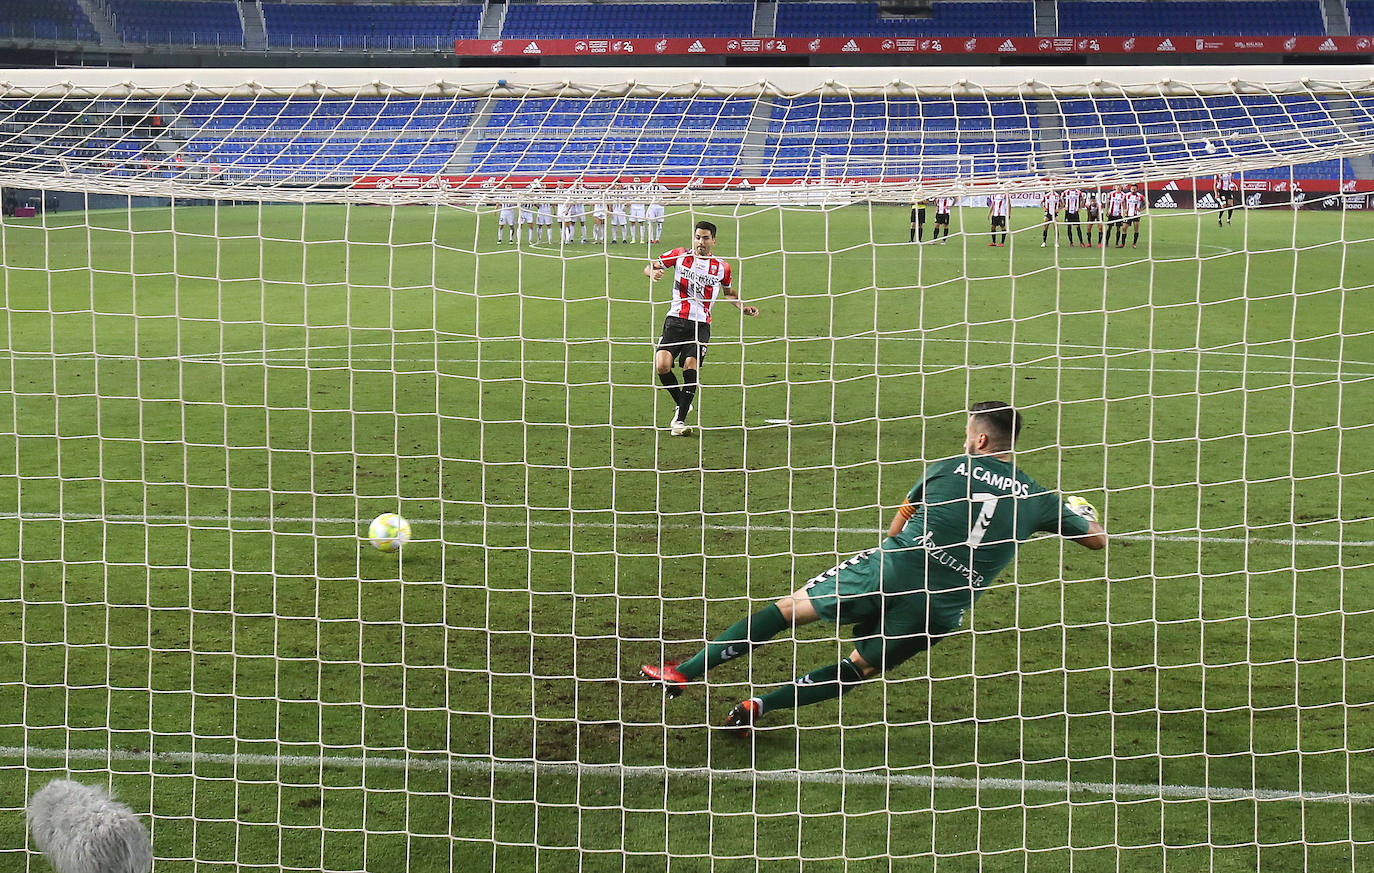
(388, 532)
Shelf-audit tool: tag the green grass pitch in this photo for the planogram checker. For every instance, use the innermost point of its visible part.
(204, 406)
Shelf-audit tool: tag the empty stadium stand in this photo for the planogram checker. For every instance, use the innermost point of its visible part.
(1202, 17)
(369, 26)
(628, 19)
(51, 19)
(178, 22)
(950, 18)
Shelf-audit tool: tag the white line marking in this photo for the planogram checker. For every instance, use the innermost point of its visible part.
(391, 361)
(636, 341)
(442, 763)
(266, 522)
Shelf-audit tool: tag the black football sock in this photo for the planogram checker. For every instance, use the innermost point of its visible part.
(912, 238)
(669, 380)
(921, 233)
(827, 683)
(738, 639)
(686, 394)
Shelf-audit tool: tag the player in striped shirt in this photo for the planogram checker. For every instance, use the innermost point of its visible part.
(997, 217)
(1116, 205)
(1135, 202)
(699, 279)
(943, 207)
(1230, 195)
(1073, 204)
(1049, 201)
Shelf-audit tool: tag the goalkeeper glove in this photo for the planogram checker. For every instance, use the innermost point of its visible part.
(1082, 508)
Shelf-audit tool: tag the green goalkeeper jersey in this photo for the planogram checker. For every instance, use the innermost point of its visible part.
(969, 514)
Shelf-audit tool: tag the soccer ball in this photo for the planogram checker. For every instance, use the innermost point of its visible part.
(389, 532)
(1209, 146)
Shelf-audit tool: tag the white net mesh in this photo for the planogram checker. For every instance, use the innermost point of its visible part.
(241, 320)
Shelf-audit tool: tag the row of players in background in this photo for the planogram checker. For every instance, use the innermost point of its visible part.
(1114, 214)
(629, 213)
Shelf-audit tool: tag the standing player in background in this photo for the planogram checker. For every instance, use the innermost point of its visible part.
(527, 213)
(1230, 187)
(1073, 204)
(1116, 206)
(1135, 202)
(943, 206)
(1049, 202)
(997, 217)
(956, 531)
(599, 216)
(653, 214)
(1297, 196)
(563, 213)
(543, 216)
(638, 232)
(918, 219)
(1094, 209)
(505, 219)
(577, 208)
(699, 279)
(619, 231)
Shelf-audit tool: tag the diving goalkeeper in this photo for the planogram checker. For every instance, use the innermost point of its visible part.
(958, 528)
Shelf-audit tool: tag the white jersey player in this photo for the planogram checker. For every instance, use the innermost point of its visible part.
(1073, 221)
(654, 211)
(637, 211)
(599, 216)
(619, 230)
(508, 212)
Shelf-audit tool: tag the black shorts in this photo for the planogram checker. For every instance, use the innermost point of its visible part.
(919, 215)
(1071, 217)
(942, 218)
(685, 339)
(999, 221)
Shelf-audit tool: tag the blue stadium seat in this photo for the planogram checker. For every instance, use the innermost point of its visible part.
(183, 22)
(371, 26)
(50, 19)
(1204, 17)
(950, 18)
(549, 20)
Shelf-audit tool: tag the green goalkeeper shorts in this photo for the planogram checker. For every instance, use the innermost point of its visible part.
(892, 621)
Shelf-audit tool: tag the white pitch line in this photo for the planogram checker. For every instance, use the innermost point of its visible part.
(898, 368)
(221, 520)
(441, 763)
(1108, 351)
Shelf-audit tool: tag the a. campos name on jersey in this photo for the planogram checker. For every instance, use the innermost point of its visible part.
(996, 480)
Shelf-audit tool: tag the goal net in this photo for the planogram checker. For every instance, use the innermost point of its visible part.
(245, 312)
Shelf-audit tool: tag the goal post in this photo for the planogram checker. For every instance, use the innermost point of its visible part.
(247, 311)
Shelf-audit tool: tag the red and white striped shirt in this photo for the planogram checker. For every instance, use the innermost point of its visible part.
(943, 205)
(697, 282)
(1115, 201)
(1133, 202)
(1050, 200)
(997, 204)
(1073, 198)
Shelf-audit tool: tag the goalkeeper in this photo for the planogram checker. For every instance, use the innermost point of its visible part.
(958, 528)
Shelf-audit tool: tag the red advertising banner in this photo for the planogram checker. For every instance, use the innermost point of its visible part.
(946, 45)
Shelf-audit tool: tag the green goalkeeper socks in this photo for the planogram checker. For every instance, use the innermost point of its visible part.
(739, 639)
(827, 683)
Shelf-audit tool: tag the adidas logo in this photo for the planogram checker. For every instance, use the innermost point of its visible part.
(850, 46)
(1166, 201)
(1007, 46)
(696, 47)
(533, 49)
(1166, 46)
(1207, 201)
(1328, 46)
(1172, 186)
